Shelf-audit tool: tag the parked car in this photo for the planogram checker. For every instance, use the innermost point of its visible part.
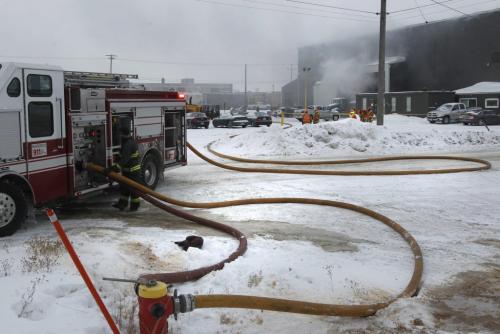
(327, 113)
(197, 120)
(230, 121)
(447, 113)
(259, 118)
(287, 111)
(481, 117)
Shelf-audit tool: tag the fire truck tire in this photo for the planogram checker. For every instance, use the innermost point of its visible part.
(150, 171)
(13, 208)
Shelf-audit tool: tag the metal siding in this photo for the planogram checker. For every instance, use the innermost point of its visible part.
(49, 185)
(147, 120)
(148, 130)
(148, 112)
(10, 134)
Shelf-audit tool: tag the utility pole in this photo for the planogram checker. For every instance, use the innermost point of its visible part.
(111, 57)
(246, 100)
(381, 65)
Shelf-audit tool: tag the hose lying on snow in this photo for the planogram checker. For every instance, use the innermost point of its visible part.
(485, 164)
(283, 305)
(261, 302)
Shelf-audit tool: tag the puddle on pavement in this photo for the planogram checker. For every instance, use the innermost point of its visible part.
(470, 303)
(153, 217)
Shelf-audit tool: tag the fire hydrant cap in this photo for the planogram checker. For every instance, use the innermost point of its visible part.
(152, 292)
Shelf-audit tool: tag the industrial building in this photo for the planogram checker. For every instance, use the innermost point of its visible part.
(439, 56)
(190, 86)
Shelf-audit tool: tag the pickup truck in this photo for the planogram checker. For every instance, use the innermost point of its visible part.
(327, 113)
(447, 113)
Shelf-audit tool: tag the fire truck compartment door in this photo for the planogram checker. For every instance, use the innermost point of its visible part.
(148, 122)
(10, 135)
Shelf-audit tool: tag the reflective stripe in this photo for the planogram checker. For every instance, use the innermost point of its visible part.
(135, 168)
(135, 155)
(135, 200)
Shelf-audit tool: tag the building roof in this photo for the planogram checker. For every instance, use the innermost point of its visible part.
(485, 87)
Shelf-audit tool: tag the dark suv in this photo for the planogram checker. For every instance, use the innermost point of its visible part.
(259, 118)
(197, 120)
(230, 121)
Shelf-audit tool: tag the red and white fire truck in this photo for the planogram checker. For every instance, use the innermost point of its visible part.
(52, 121)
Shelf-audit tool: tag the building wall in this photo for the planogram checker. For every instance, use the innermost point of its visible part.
(420, 102)
(481, 98)
(445, 55)
(189, 86)
(238, 99)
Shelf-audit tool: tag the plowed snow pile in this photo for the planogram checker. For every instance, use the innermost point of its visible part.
(400, 135)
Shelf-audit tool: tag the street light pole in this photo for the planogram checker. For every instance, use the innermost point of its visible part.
(381, 65)
(246, 98)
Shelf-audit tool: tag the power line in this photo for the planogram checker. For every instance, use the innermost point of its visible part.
(148, 61)
(302, 8)
(450, 8)
(417, 7)
(335, 7)
(284, 11)
(52, 57)
(421, 12)
(200, 64)
(443, 11)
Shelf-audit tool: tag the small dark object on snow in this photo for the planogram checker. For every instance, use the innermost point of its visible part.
(191, 241)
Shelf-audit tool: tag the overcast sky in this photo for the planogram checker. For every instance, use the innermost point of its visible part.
(208, 40)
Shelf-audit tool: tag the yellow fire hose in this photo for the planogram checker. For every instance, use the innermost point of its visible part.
(485, 165)
(283, 305)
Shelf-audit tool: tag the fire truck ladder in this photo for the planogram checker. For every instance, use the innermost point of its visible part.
(93, 79)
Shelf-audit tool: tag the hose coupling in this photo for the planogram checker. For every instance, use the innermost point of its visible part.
(182, 303)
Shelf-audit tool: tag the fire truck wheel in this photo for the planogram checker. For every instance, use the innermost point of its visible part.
(150, 170)
(13, 208)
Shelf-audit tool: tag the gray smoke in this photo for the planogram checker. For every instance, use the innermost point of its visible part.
(343, 77)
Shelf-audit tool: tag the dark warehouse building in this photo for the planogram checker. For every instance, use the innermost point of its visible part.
(440, 56)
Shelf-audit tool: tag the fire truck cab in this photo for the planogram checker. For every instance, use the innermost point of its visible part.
(52, 122)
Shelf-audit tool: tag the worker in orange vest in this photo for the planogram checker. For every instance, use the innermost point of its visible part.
(316, 116)
(306, 118)
(352, 114)
(370, 115)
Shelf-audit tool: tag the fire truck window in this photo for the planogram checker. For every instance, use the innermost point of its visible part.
(39, 85)
(41, 119)
(14, 88)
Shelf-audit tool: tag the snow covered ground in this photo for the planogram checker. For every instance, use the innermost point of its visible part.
(297, 252)
(350, 137)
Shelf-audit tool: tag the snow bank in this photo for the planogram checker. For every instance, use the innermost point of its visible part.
(401, 135)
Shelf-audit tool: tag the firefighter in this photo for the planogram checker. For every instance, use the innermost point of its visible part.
(352, 114)
(306, 118)
(316, 116)
(130, 166)
(370, 115)
(362, 115)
